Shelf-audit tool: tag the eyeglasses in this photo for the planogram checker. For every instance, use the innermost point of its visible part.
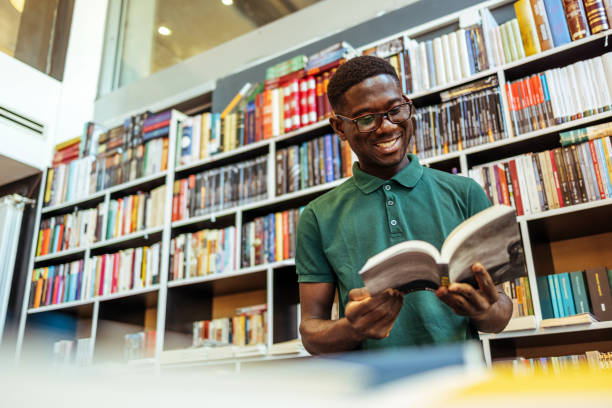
(372, 121)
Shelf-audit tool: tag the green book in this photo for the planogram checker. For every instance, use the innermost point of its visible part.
(545, 300)
(527, 291)
(581, 300)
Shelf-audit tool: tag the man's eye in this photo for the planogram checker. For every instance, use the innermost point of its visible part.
(365, 120)
(395, 110)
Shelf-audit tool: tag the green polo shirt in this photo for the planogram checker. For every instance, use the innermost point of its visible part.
(340, 230)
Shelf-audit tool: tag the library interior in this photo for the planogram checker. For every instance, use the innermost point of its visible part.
(187, 202)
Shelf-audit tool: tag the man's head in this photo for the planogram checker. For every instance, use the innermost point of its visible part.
(360, 89)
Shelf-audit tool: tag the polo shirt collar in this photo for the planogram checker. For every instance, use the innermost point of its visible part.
(407, 177)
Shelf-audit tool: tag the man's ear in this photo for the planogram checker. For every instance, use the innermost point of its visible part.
(338, 126)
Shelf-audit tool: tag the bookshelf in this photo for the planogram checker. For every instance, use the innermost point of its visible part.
(169, 306)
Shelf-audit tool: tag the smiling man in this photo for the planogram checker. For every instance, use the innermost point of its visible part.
(390, 198)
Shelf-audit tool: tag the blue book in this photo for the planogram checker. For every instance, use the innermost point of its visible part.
(304, 165)
(566, 292)
(553, 295)
(558, 295)
(545, 303)
(271, 238)
(605, 173)
(328, 155)
(470, 51)
(558, 22)
(581, 301)
(73, 286)
(79, 282)
(337, 149)
(67, 283)
(156, 133)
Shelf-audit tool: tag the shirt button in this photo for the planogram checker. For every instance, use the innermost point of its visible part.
(393, 222)
(387, 187)
(390, 202)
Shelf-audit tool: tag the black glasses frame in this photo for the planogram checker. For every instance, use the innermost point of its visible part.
(381, 115)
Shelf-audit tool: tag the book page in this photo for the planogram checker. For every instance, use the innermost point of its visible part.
(490, 237)
(406, 266)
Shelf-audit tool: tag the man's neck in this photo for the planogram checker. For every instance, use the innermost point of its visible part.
(389, 172)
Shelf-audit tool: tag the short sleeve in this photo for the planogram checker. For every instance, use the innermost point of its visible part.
(477, 198)
(310, 260)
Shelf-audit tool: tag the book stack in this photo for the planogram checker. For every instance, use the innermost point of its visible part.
(536, 182)
(136, 212)
(128, 269)
(560, 95)
(571, 293)
(137, 346)
(443, 60)
(270, 238)
(468, 116)
(247, 327)
(519, 292)
(202, 253)
(57, 284)
(220, 188)
(318, 161)
(66, 152)
(69, 181)
(585, 134)
(593, 359)
(69, 231)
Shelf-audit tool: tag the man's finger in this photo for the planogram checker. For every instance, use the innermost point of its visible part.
(473, 296)
(358, 294)
(485, 282)
(459, 304)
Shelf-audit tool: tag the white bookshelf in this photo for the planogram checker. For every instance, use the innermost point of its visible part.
(268, 147)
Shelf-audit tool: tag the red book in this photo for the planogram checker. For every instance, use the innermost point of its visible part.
(115, 280)
(288, 122)
(304, 117)
(602, 191)
(518, 199)
(326, 77)
(503, 184)
(553, 164)
(320, 95)
(576, 19)
(274, 83)
(296, 121)
(258, 117)
(60, 235)
(182, 198)
(102, 270)
(163, 123)
(268, 115)
(311, 100)
(56, 281)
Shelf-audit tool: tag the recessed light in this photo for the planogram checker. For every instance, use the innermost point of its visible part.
(227, 2)
(163, 30)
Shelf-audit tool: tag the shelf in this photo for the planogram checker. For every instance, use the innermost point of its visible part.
(221, 156)
(202, 218)
(199, 356)
(233, 274)
(60, 306)
(128, 293)
(92, 197)
(301, 131)
(566, 210)
(296, 194)
(61, 254)
(124, 238)
(549, 330)
(138, 182)
(454, 84)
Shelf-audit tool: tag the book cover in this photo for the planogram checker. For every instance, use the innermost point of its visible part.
(490, 237)
(576, 19)
(542, 24)
(527, 26)
(566, 293)
(581, 301)
(598, 287)
(546, 305)
(596, 16)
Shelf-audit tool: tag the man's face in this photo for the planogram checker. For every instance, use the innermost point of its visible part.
(381, 153)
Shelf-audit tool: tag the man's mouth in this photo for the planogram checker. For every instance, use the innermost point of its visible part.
(388, 144)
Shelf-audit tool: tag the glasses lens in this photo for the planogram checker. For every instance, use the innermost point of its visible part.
(399, 113)
(368, 123)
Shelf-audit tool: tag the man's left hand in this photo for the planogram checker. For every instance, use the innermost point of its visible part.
(465, 300)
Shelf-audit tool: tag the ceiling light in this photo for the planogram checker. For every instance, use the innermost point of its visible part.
(227, 2)
(163, 30)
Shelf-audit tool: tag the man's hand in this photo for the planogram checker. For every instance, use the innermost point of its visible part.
(373, 316)
(488, 309)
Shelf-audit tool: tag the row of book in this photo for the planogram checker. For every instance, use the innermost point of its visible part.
(536, 182)
(70, 352)
(593, 359)
(585, 134)
(519, 293)
(468, 116)
(140, 345)
(249, 326)
(317, 161)
(562, 94)
(56, 284)
(569, 293)
(270, 238)
(201, 253)
(220, 188)
(68, 231)
(136, 212)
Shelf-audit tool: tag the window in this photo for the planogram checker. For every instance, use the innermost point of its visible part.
(36, 32)
(156, 35)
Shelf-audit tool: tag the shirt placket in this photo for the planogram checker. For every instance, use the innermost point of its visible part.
(391, 209)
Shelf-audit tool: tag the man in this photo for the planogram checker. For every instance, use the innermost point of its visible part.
(390, 198)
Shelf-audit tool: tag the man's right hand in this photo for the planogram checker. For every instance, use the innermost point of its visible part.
(373, 316)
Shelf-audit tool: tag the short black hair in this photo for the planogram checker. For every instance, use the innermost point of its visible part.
(353, 72)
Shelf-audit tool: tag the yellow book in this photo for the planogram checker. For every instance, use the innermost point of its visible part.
(278, 250)
(526, 22)
(241, 94)
(507, 40)
(40, 238)
(143, 271)
(68, 143)
(50, 174)
(204, 135)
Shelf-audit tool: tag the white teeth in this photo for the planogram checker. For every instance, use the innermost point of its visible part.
(387, 144)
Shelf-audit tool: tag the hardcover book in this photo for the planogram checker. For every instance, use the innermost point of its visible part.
(490, 237)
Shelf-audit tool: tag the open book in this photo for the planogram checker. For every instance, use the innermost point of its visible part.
(490, 237)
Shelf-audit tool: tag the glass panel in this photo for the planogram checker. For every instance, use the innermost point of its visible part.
(161, 34)
(36, 32)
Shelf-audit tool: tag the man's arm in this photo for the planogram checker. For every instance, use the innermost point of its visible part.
(366, 317)
(488, 310)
